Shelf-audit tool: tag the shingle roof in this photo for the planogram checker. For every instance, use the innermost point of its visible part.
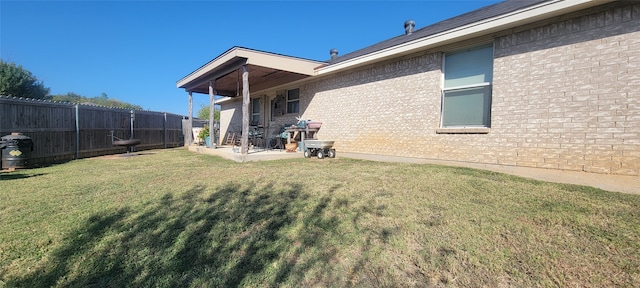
(451, 23)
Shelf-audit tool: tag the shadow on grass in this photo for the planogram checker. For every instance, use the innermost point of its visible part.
(234, 236)
(15, 176)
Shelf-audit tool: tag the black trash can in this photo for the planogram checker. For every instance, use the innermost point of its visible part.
(16, 152)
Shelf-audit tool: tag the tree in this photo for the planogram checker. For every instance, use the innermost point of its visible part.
(203, 113)
(69, 97)
(102, 100)
(19, 82)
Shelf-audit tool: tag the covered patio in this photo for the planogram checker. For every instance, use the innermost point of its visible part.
(238, 72)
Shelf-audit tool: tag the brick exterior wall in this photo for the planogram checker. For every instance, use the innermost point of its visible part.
(566, 95)
(388, 109)
(566, 92)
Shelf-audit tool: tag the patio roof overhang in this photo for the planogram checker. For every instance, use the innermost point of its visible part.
(266, 70)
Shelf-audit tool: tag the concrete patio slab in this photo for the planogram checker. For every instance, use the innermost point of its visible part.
(228, 152)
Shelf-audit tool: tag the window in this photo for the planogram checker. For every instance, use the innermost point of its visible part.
(255, 111)
(293, 101)
(466, 97)
(273, 110)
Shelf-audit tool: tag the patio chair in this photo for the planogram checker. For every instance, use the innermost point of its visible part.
(274, 138)
(256, 138)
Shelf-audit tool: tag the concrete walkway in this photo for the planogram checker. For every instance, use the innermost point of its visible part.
(616, 183)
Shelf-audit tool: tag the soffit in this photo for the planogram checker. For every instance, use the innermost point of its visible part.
(265, 70)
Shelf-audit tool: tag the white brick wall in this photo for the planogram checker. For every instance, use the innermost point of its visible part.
(583, 68)
(396, 102)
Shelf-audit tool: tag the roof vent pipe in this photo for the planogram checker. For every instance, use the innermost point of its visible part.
(408, 26)
(334, 53)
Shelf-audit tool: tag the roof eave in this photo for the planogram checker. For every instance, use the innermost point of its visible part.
(216, 62)
(253, 57)
(483, 27)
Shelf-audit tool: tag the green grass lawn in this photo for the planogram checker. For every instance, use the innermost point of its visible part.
(172, 218)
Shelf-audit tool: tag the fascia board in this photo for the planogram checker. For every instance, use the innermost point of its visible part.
(229, 55)
(258, 58)
(280, 62)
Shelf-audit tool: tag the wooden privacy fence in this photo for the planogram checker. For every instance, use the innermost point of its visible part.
(63, 131)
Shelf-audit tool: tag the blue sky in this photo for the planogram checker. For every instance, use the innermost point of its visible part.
(135, 51)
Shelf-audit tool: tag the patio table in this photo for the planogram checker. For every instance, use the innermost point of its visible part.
(304, 133)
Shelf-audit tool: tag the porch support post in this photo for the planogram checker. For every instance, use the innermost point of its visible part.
(212, 137)
(245, 111)
(189, 129)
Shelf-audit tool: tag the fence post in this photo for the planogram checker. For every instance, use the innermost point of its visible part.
(133, 115)
(77, 132)
(164, 126)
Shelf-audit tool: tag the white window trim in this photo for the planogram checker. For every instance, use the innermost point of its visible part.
(467, 86)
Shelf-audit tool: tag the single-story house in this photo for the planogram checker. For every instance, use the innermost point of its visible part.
(539, 83)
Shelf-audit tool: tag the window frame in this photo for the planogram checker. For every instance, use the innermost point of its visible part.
(272, 114)
(255, 114)
(289, 101)
(466, 128)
